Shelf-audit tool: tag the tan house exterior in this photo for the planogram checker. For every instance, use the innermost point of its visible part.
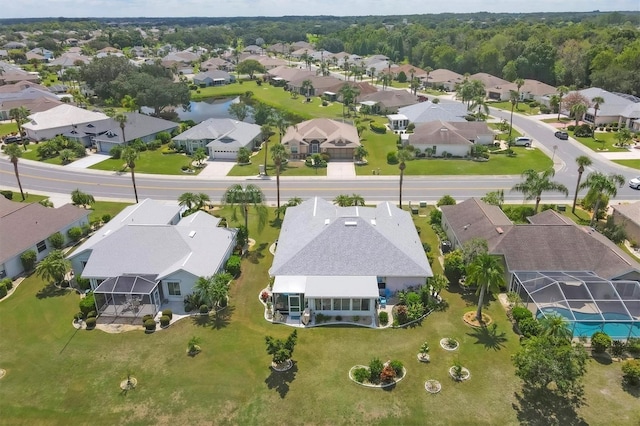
(628, 216)
(322, 136)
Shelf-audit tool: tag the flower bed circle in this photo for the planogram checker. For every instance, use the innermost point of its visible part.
(423, 357)
(129, 383)
(282, 367)
(466, 374)
(374, 385)
(3, 372)
(447, 345)
(470, 319)
(432, 386)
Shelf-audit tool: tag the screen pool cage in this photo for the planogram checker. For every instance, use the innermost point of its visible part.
(588, 302)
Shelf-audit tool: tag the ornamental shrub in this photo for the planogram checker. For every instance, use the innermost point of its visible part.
(28, 259)
(204, 309)
(387, 374)
(520, 312)
(384, 318)
(378, 128)
(375, 369)
(78, 316)
(106, 218)
(167, 313)
(571, 127)
(75, 233)
(633, 346)
(92, 314)
(600, 342)
(146, 317)
(529, 327)
(392, 157)
(150, 325)
(583, 130)
(631, 372)
(3, 290)
(397, 366)
(164, 321)
(7, 194)
(402, 314)
(83, 283)
(233, 265)
(56, 240)
(90, 323)
(360, 374)
(87, 304)
(618, 348)
(8, 283)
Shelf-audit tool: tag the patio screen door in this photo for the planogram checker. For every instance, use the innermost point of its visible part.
(294, 304)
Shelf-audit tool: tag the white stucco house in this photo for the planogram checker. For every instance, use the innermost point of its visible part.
(60, 120)
(340, 260)
(221, 137)
(28, 226)
(455, 138)
(148, 257)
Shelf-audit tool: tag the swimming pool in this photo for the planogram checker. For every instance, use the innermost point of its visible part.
(616, 325)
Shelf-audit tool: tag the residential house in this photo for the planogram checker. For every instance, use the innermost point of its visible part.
(138, 127)
(148, 257)
(60, 120)
(28, 226)
(213, 78)
(338, 260)
(628, 216)
(617, 108)
(388, 101)
(322, 135)
(281, 75)
(221, 137)
(32, 96)
(488, 80)
(35, 57)
(407, 69)
(442, 78)
(270, 63)
(531, 89)
(45, 53)
(319, 84)
(11, 74)
(252, 49)
(69, 59)
(423, 112)
(443, 138)
(14, 45)
(217, 64)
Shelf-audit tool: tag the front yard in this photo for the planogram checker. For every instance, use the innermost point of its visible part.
(604, 141)
(77, 373)
(522, 107)
(153, 162)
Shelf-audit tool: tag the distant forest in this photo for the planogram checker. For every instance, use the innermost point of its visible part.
(571, 49)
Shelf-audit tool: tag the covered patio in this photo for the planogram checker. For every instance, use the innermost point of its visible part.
(128, 296)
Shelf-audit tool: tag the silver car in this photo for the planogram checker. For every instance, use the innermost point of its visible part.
(635, 183)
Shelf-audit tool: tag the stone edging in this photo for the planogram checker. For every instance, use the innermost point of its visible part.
(289, 365)
(370, 385)
(437, 384)
(466, 374)
(3, 373)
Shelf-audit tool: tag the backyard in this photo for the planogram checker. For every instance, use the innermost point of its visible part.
(77, 373)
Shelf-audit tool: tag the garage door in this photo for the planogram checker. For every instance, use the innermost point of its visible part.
(225, 155)
(340, 153)
(105, 147)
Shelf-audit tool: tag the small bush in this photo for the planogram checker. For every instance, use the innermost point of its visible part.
(90, 323)
(375, 369)
(264, 296)
(75, 233)
(8, 283)
(56, 240)
(78, 316)
(583, 130)
(204, 309)
(28, 259)
(446, 200)
(618, 348)
(3, 290)
(631, 372)
(633, 346)
(338, 317)
(233, 265)
(378, 128)
(150, 325)
(571, 127)
(529, 327)
(384, 318)
(164, 321)
(387, 374)
(402, 314)
(167, 313)
(397, 366)
(360, 374)
(106, 218)
(600, 342)
(83, 283)
(115, 152)
(92, 314)
(147, 317)
(392, 157)
(87, 304)
(7, 194)
(519, 313)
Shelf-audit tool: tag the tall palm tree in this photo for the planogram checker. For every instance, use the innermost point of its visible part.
(562, 90)
(556, 326)
(130, 155)
(188, 200)
(482, 105)
(54, 267)
(278, 154)
(214, 289)
(487, 273)
(519, 83)
(602, 184)
(513, 98)
(14, 154)
(243, 196)
(280, 122)
(578, 111)
(404, 155)
(428, 71)
(20, 115)
(597, 102)
(121, 118)
(307, 88)
(582, 161)
(536, 183)
(129, 103)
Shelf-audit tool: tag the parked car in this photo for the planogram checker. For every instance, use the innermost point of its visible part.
(635, 183)
(561, 134)
(12, 139)
(523, 141)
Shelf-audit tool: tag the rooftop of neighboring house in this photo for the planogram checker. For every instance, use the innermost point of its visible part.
(428, 111)
(442, 75)
(488, 80)
(323, 130)
(614, 103)
(137, 126)
(444, 133)
(62, 115)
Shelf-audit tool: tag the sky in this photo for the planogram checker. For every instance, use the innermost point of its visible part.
(226, 8)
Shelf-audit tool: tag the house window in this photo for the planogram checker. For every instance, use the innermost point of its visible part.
(341, 304)
(294, 149)
(323, 304)
(174, 288)
(41, 246)
(360, 304)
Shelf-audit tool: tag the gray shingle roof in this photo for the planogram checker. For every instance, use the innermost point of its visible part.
(222, 132)
(428, 111)
(137, 126)
(319, 238)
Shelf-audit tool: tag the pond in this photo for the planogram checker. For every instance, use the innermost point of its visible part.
(205, 109)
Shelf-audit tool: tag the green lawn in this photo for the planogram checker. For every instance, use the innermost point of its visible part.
(32, 154)
(604, 140)
(153, 162)
(78, 373)
(7, 128)
(29, 198)
(521, 108)
(634, 164)
(100, 208)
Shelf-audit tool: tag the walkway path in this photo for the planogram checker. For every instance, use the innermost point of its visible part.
(88, 161)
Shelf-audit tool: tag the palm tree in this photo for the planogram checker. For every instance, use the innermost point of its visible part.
(360, 152)
(130, 155)
(239, 196)
(513, 98)
(556, 326)
(428, 71)
(295, 201)
(307, 87)
(20, 115)
(602, 184)
(536, 183)
(129, 103)
(519, 83)
(437, 282)
(357, 200)
(188, 200)
(487, 273)
(578, 111)
(582, 161)
(14, 154)
(597, 102)
(404, 155)
(482, 105)
(344, 200)
(278, 154)
(202, 200)
(54, 267)
(349, 94)
(214, 289)
(280, 122)
(562, 90)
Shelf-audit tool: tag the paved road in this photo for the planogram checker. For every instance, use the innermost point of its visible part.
(44, 178)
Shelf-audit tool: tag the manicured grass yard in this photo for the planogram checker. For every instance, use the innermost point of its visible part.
(57, 375)
(522, 108)
(32, 154)
(597, 144)
(154, 162)
(634, 164)
(6, 128)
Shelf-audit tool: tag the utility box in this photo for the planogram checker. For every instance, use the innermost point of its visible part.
(423, 204)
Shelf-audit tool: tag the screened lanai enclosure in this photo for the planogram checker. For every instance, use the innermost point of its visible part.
(588, 302)
(128, 296)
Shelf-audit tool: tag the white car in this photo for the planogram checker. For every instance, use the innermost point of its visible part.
(635, 183)
(523, 141)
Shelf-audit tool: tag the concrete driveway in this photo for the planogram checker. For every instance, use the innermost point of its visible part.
(89, 160)
(217, 168)
(341, 169)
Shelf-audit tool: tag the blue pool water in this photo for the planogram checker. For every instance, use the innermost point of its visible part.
(586, 324)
